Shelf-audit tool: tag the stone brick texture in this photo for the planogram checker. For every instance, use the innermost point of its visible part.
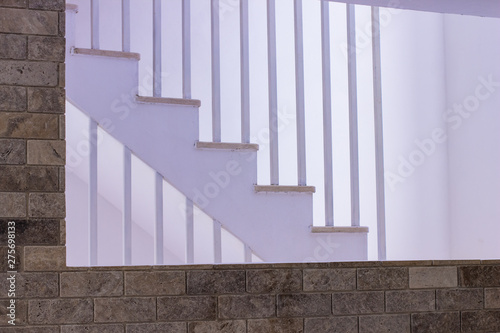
(225, 298)
(32, 158)
(358, 297)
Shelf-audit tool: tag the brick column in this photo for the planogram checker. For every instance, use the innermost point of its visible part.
(32, 145)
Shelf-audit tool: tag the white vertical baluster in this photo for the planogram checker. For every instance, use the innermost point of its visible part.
(379, 135)
(94, 24)
(216, 99)
(189, 231)
(327, 112)
(157, 48)
(159, 219)
(248, 253)
(217, 242)
(186, 49)
(93, 194)
(127, 206)
(273, 91)
(245, 72)
(126, 25)
(353, 113)
(299, 93)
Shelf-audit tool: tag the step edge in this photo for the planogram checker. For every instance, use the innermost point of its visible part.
(106, 53)
(226, 145)
(333, 229)
(285, 188)
(168, 100)
(71, 7)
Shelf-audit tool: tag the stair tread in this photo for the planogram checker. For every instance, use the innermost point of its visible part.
(226, 145)
(330, 229)
(168, 100)
(106, 53)
(285, 188)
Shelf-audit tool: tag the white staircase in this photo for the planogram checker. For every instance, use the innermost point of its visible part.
(220, 178)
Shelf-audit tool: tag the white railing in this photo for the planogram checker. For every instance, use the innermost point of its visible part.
(272, 73)
(94, 137)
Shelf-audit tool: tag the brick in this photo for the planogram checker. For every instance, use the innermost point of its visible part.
(12, 151)
(12, 98)
(31, 329)
(49, 100)
(19, 260)
(12, 204)
(26, 73)
(492, 297)
(446, 322)
(22, 178)
(14, 3)
(303, 305)
(479, 276)
(62, 232)
(33, 285)
(32, 232)
(358, 302)
(473, 321)
(92, 328)
(28, 22)
(62, 127)
(275, 325)
(267, 281)
(157, 328)
(187, 308)
(47, 205)
(62, 24)
(385, 323)
(47, 4)
(215, 282)
(60, 311)
(124, 310)
(155, 283)
(231, 326)
(46, 48)
(247, 306)
(12, 47)
(81, 284)
(410, 301)
(382, 278)
(331, 325)
(29, 126)
(62, 179)
(62, 75)
(21, 312)
(46, 152)
(459, 299)
(433, 277)
(329, 279)
(44, 258)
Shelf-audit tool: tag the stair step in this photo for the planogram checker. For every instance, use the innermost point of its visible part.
(227, 145)
(285, 188)
(317, 230)
(165, 100)
(72, 7)
(106, 53)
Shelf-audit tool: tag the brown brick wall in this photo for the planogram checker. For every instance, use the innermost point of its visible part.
(424, 296)
(420, 296)
(32, 146)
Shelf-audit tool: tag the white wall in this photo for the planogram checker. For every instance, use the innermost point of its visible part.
(442, 183)
(472, 57)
